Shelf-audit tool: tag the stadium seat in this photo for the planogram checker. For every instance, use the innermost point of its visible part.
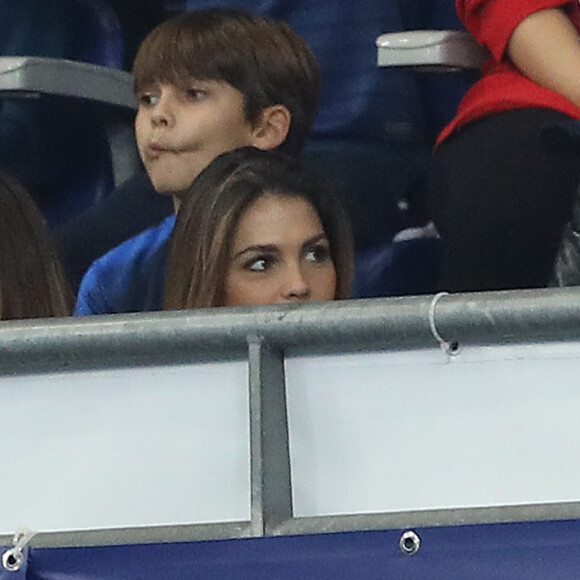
(60, 144)
(433, 43)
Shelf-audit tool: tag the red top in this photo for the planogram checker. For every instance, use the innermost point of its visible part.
(502, 86)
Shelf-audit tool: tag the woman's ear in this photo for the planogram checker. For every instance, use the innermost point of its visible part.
(272, 127)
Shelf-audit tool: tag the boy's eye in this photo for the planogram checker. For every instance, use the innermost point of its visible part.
(195, 94)
(318, 254)
(148, 99)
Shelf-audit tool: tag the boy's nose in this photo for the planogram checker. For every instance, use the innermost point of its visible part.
(295, 284)
(162, 112)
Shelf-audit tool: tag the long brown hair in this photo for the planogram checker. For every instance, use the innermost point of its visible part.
(32, 280)
(201, 243)
(264, 59)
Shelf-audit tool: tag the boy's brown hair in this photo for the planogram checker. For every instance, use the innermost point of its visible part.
(264, 59)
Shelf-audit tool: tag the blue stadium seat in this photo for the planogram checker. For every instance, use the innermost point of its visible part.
(84, 30)
(408, 265)
(59, 147)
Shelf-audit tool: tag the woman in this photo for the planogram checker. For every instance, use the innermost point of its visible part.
(256, 227)
(32, 281)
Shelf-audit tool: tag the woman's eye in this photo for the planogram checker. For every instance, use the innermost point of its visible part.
(318, 254)
(259, 264)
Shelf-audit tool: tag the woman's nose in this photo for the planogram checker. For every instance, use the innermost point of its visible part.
(296, 286)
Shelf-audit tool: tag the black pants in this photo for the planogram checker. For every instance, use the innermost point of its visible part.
(500, 200)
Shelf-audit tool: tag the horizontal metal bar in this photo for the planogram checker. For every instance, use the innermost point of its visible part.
(309, 526)
(145, 535)
(54, 345)
(430, 518)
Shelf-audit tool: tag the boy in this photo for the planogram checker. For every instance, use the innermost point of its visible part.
(207, 82)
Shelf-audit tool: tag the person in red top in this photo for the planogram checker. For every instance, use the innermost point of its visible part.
(498, 196)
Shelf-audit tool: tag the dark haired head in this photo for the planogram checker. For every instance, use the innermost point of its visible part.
(32, 280)
(202, 241)
(264, 59)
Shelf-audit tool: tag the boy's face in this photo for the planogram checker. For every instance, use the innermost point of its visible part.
(179, 132)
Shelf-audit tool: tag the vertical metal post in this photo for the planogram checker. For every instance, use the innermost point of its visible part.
(271, 486)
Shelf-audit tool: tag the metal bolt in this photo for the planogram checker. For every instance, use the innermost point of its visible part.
(12, 560)
(410, 543)
(453, 348)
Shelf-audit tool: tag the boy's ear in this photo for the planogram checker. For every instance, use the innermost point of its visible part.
(272, 127)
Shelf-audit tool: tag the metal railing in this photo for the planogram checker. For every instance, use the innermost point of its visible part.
(264, 336)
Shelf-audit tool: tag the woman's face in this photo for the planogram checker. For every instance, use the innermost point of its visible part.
(280, 254)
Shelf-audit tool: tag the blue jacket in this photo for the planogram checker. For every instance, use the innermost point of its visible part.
(129, 278)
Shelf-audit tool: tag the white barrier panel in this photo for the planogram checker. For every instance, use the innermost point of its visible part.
(419, 430)
(125, 448)
(369, 433)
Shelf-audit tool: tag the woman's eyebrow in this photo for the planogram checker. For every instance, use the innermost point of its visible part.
(271, 248)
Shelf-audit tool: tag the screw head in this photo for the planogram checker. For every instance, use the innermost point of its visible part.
(12, 560)
(410, 543)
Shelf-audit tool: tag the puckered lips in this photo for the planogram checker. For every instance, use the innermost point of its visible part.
(154, 150)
